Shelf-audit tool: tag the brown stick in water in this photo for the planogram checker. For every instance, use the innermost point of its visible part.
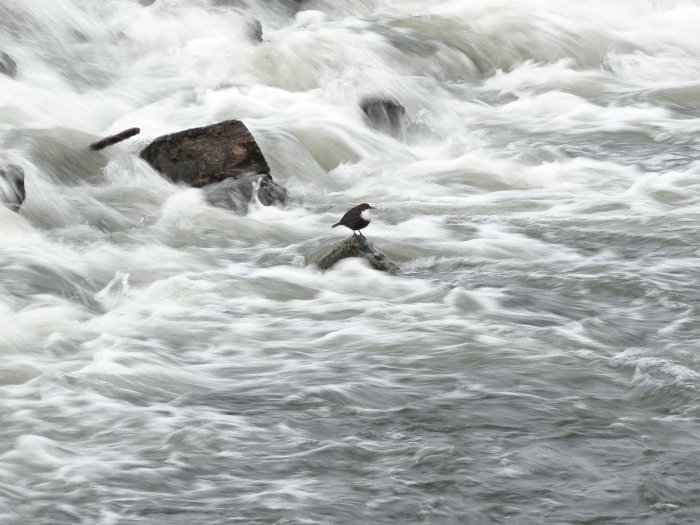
(113, 139)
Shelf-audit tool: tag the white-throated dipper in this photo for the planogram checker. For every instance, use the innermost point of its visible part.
(356, 218)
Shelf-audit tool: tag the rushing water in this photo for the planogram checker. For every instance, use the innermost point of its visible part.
(163, 361)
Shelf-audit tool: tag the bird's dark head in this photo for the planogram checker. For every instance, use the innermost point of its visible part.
(365, 206)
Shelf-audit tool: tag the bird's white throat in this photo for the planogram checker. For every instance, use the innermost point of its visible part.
(366, 215)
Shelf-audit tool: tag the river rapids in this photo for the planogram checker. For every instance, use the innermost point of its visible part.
(165, 361)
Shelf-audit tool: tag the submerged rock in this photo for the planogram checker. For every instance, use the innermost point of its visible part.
(7, 65)
(12, 191)
(384, 114)
(210, 155)
(355, 246)
(236, 193)
(255, 30)
(269, 192)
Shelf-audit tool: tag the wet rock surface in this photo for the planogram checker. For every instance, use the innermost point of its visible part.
(236, 193)
(215, 157)
(271, 193)
(201, 156)
(355, 246)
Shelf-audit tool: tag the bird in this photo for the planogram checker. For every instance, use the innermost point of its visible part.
(356, 218)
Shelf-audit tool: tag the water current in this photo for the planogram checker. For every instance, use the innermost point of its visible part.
(165, 361)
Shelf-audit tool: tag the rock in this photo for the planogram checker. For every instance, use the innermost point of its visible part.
(213, 154)
(384, 114)
(12, 191)
(269, 192)
(255, 30)
(201, 156)
(236, 193)
(355, 246)
(7, 65)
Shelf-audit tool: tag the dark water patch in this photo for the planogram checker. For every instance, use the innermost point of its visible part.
(626, 149)
(29, 278)
(61, 154)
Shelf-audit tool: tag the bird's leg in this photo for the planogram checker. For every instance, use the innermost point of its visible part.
(365, 238)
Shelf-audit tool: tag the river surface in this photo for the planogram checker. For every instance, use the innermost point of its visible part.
(164, 361)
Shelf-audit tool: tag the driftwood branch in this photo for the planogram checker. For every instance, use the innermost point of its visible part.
(113, 139)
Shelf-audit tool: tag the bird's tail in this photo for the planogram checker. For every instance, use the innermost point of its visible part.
(336, 224)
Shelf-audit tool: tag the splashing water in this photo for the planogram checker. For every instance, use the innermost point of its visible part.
(166, 361)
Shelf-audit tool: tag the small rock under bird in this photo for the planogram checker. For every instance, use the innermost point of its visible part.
(356, 218)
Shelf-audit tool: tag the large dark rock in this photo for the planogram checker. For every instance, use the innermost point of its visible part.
(384, 114)
(213, 154)
(7, 65)
(201, 156)
(12, 191)
(356, 246)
